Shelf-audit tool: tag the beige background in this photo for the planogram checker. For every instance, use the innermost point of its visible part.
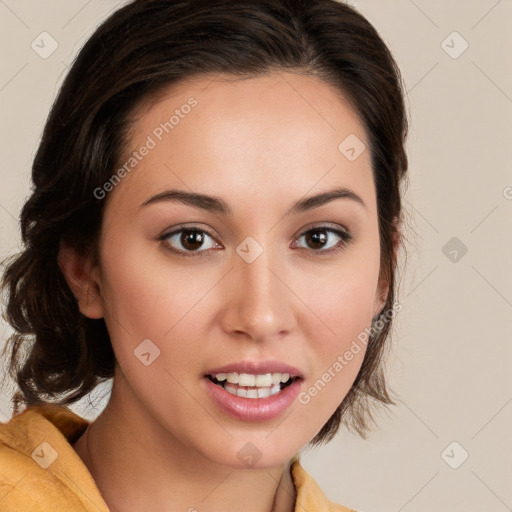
(452, 344)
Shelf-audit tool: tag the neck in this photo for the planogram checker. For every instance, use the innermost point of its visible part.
(139, 467)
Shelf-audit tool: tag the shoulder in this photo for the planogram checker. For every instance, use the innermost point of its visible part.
(39, 470)
(309, 495)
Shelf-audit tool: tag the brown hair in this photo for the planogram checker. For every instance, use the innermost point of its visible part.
(140, 49)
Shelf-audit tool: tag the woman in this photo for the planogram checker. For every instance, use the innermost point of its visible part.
(214, 224)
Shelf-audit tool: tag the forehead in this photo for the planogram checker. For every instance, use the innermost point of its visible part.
(269, 102)
(219, 133)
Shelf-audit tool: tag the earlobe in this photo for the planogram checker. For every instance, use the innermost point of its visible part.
(83, 281)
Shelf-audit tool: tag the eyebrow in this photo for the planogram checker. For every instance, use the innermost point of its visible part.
(218, 205)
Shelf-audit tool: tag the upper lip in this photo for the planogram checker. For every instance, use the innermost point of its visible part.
(256, 368)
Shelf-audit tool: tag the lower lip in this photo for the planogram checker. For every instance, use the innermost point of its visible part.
(253, 409)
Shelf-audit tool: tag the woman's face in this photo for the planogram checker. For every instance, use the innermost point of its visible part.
(257, 285)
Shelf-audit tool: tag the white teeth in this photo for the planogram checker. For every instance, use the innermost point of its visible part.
(232, 378)
(263, 392)
(253, 393)
(247, 393)
(275, 389)
(250, 380)
(230, 389)
(276, 378)
(252, 386)
(264, 381)
(245, 379)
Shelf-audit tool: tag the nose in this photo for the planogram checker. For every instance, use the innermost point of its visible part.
(259, 302)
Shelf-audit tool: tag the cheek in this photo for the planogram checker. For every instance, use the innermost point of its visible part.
(344, 296)
(147, 300)
(343, 300)
(335, 349)
(348, 306)
(346, 310)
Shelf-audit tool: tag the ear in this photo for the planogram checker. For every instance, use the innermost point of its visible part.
(83, 280)
(383, 287)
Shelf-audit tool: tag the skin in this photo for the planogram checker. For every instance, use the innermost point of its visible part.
(261, 144)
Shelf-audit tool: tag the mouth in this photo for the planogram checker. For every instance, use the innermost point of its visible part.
(253, 390)
(247, 385)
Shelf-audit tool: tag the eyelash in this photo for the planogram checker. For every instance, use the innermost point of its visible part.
(345, 236)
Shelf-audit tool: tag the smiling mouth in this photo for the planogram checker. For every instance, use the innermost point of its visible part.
(248, 385)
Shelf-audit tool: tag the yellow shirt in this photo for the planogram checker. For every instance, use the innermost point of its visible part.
(41, 472)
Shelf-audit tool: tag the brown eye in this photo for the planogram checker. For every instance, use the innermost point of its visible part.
(316, 239)
(325, 239)
(188, 241)
(191, 240)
